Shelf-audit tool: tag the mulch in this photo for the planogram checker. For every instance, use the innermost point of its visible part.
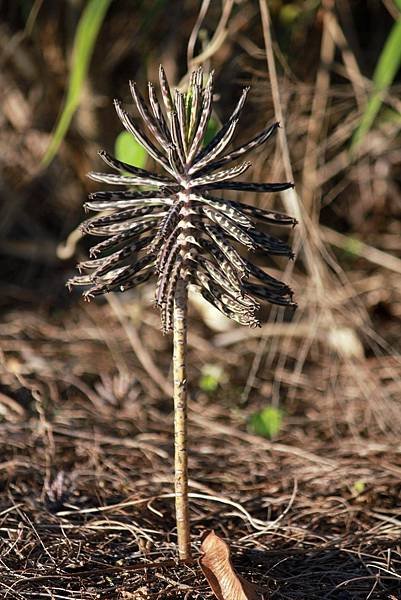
(87, 507)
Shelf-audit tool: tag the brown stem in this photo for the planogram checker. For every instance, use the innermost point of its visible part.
(180, 420)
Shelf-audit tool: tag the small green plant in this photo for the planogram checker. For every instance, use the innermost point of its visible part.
(359, 487)
(211, 377)
(172, 226)
(267, 422)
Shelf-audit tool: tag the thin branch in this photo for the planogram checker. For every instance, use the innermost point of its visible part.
(139, 349)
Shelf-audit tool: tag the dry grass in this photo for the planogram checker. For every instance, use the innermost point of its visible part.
(87, 473)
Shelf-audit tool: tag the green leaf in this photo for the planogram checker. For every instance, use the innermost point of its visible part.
(208, 384)
(211, 130)
(267, 422)
(211, 377)
(359, 486)
(129, 150)
(84, 42)
(386, 69)
(289, 13)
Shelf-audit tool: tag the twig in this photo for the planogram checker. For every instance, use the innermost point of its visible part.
(257, 441)
(319, 105)
(194, 33)
(290, 198)
(373, 255)
(218, 38)
(140, 351)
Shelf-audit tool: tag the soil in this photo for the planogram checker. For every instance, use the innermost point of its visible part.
(87, 508)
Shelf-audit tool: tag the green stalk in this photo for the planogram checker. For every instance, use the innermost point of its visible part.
(386, 69)
(84, 43)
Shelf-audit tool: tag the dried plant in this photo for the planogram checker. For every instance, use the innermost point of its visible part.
(226, 583)
(174, 227)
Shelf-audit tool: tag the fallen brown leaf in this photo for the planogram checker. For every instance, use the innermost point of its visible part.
(217, 567)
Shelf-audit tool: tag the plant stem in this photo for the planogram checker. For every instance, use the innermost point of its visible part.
(180, 420)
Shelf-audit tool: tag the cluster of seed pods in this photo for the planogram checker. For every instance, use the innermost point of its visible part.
(172, 225)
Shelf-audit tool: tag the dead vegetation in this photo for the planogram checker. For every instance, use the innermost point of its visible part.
(86, 428)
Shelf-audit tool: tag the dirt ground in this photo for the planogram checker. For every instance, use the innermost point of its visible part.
(86, 469)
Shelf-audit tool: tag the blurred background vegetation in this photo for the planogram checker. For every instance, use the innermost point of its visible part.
(338, 63)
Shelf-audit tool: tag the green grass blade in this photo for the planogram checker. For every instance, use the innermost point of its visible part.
(85, 38)
(386, 69)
